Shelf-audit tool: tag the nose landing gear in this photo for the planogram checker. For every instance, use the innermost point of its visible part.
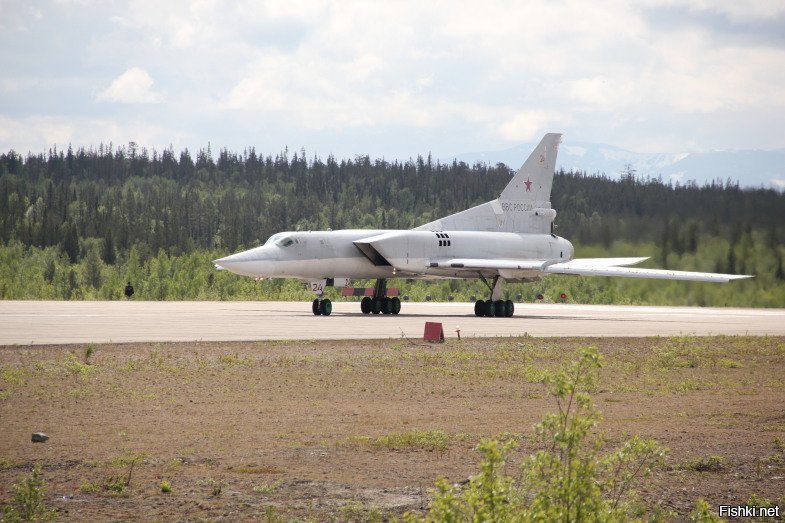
(322, 307)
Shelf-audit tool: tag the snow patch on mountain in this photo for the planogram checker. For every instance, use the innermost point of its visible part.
(750, 168)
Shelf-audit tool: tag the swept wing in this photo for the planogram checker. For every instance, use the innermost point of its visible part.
(595, 267)
(584, 267)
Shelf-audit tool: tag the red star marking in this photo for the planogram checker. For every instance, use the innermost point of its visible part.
(528, 184)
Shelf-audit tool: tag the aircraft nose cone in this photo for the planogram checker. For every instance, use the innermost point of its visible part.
(227, 260)
(233, 261)
(248, 263)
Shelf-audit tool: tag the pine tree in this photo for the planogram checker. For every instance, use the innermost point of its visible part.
(70, 243)
(107, 253)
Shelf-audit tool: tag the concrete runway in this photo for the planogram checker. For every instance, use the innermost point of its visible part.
(58, 322)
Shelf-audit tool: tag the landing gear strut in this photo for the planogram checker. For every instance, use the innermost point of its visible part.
(380, 303)
(495, 306)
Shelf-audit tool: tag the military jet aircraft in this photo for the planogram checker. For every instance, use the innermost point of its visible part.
(508, 239)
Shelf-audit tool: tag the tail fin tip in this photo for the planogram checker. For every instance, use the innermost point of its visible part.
(534, 179)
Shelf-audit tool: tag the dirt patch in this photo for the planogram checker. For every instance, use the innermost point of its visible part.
(355, 430)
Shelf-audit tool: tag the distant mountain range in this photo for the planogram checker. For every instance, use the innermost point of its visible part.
(750, 168)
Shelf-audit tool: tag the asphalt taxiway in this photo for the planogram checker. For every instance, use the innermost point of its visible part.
(60, 322)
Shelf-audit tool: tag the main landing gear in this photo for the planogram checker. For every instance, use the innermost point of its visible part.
(495, 306)
(379, 303)
(322, 307)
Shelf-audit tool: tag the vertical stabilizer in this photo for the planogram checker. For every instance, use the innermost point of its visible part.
(534, 179)
(524, 205)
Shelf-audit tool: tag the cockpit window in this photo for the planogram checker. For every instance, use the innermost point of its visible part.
(272, 239)
(284, 242)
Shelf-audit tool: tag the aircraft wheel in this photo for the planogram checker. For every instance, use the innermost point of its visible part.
(509, 308)
(326, 307)
(479, 308)
(396, 305)
(376, 305)
(316, 307)
(499, 308)
(365, 305)
(490, 309)
(386, 305)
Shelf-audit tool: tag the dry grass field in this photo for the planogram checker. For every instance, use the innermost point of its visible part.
(360, 430)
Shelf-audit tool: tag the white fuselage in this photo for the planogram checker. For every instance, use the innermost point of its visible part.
(390, 253)
(506, 239)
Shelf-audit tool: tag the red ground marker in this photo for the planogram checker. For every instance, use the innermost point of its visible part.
(433, 332)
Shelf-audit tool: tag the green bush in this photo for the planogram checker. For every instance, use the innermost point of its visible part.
(711, 463)
(414, 439)
(703, 513)
(567, 480)
(28, 501)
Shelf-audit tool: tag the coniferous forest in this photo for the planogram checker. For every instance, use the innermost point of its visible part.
(79, 224)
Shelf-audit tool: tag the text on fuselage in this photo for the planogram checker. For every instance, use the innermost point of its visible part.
(516, 207)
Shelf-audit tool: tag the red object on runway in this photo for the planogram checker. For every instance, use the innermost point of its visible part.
(433, 332)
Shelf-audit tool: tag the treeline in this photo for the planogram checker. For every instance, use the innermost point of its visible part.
(86, 215)
(47, 273)
(125, 196)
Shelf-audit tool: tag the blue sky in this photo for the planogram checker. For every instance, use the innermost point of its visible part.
(392, 79)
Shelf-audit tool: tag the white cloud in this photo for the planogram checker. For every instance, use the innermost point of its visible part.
(29, 134)
(13, 85)
(524, 126)
(458, 76)
(737, 12)
(37, 133)
(132, 87)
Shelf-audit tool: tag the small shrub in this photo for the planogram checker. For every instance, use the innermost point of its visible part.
(129, 459)
(115, 484)
(271, 515)
(267, 488)
(88, 352)
(691, 384)
(728, 363)
(231, 360)
(759, 501)
(703, 513)
(166, 487)
(415, 439)
(215, 486)
(90, 487)
(566, 481)
(174, 463)
(358, 511)
(155, 357)
(707, 464)
(12, 376)
(264, 469)
(28, 500)
(75, 367)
